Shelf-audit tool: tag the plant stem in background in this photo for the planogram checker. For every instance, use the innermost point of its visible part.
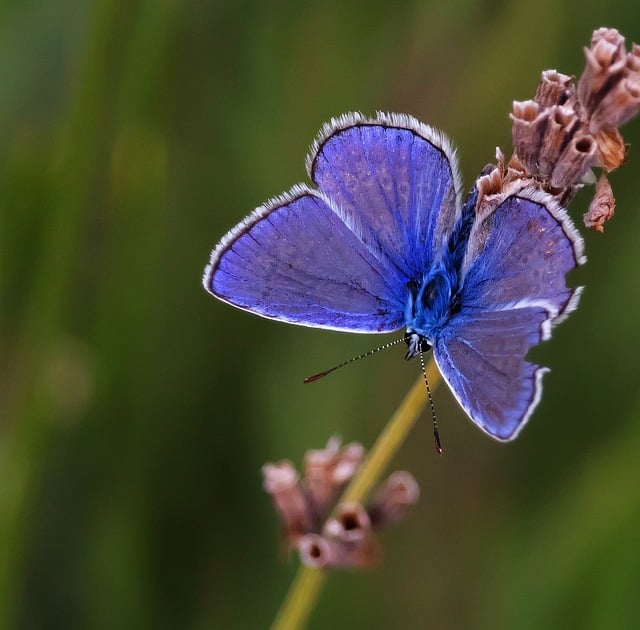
(305, 589)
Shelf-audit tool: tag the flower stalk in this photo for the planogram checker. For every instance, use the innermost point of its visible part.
(305, 589)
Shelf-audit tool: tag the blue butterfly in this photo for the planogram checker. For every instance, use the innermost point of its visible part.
(385, 242)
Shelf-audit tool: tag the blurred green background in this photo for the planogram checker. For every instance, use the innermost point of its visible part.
(136, 411)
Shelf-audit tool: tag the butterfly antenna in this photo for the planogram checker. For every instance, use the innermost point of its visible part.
(318, 376)
(436, 435)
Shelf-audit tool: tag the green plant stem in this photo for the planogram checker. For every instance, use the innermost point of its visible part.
(307, 584)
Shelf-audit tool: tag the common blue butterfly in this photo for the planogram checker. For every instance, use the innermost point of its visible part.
(384, 242)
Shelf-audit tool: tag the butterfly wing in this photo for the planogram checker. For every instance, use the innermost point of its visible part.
(513, 293)
(397, 178)
(341, 257)
(296, 260)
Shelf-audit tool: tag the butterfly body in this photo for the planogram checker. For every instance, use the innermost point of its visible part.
(384, 242)
(435, 299)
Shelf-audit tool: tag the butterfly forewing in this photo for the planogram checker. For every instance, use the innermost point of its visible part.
(395, 177)
(296, 260)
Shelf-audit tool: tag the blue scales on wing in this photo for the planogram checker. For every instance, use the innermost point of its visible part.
(341, 257)
(398, 178)
(513, 291)
(296, 260)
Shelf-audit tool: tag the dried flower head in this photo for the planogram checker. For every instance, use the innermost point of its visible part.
(346, 539)
(554, 88)
(566, 130)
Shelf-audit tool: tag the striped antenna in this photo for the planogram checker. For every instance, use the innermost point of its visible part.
(436, 435)
(315, 377)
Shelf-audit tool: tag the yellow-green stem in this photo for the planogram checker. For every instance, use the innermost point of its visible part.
(305, 588)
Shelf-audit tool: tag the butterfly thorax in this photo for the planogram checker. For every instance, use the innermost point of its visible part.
(430, 305)
(434, 299)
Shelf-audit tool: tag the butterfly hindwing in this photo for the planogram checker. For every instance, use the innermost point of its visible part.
(481, 357)
(513, 292)
(527, 246)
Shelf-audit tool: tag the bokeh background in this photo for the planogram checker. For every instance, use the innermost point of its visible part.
(136, 411)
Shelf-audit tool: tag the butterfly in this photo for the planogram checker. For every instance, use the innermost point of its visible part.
(384, 242)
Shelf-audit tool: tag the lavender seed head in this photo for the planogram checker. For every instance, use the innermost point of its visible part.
(566, 130)
(347, 539)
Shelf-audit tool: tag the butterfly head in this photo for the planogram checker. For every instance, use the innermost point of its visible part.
(416, 343)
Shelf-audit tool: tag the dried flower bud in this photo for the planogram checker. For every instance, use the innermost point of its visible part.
(320, 552)
(281, 481)
(607, 45)
(316, 552)
(562, 123)
(554, 88)
(612, 151)
(633, 60)
(392, 499)
(347, 541)
(525, 110)
(350, 525)
(575, 161)
(328, 470)
(618, 105)
(606, 58)
(602, 207)
(347, 463)
(529, 125)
